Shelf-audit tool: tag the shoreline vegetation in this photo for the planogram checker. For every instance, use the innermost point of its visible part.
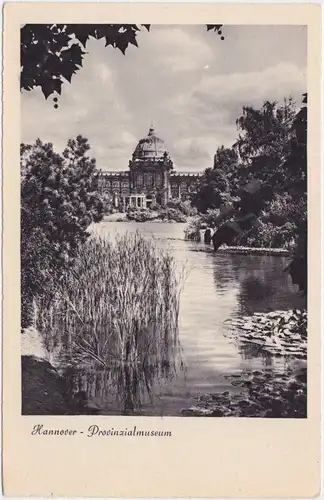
(197, 236)
(100, 301)
(120, 305)
(77, 312)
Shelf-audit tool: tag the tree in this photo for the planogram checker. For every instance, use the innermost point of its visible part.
(227, 160)
(59, 200)
(264, 141)
(296, 165)
(52, 53)
(296, 162)
(213, 188)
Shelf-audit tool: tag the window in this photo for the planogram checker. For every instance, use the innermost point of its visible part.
(149, 179)
(158, 179)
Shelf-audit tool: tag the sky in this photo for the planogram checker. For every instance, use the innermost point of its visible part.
(187, 81)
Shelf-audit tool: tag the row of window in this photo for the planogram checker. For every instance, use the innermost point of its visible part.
(116, 184)
(145, 182)
(174, 187)
(148, 179)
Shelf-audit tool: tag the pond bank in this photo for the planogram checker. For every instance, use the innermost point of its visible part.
(44, 390)
(282, 252)
(234, 250)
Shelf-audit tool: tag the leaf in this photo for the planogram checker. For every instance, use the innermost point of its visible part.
(109, 41)
(134, 42)
(73, 54)
(49, 87)
(215, 27)
(122, 45)
(69, 69)
(83, 32)
(53, 64)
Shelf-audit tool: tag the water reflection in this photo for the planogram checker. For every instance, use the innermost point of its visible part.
(123, 389)
(261, 282)
(255, 294)
(218, 288)
(250, 351)
(225, 272)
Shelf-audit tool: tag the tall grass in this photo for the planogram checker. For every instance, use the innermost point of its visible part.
(119, 303)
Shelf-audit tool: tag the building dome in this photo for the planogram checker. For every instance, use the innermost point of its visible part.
(151, 147)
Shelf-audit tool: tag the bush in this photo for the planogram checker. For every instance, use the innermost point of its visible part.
(172, 214)
(209, 218)
(268, 235)
(140, 215)
(192, 231)
(280, 224)
(184, 207)
(164, 214)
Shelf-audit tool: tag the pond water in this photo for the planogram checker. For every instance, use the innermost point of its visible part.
(218, 287)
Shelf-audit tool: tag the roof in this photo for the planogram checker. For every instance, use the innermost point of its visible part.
(151, 147)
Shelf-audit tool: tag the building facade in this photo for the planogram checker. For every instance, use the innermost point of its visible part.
(150, 179)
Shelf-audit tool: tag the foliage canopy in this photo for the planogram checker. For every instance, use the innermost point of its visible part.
(52, 53)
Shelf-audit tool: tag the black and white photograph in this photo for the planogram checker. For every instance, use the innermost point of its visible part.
(163, 235)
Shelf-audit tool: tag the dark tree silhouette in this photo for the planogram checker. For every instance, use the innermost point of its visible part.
(212, 189)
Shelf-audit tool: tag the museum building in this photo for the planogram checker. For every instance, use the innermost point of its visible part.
(151, 177)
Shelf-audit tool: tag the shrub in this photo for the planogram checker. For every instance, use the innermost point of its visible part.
(172, 214)
(140, 215)
(209, 218)
(268, 235)
(185, 207)
(192, 231)
(165, 214)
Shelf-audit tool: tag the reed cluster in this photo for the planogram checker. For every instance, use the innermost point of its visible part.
(120, 303)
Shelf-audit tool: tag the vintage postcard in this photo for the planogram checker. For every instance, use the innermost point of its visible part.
(162, 261)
